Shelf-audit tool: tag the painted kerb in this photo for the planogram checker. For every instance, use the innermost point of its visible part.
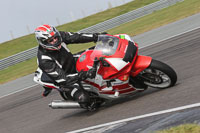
(106, 25)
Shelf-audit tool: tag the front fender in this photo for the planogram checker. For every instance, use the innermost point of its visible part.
(141, 63)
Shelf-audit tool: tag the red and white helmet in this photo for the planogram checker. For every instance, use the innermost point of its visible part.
(45, 34)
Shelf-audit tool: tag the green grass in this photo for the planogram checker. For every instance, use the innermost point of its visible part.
(18, 70)
(159, 18)
(23, 43)
(146, 23)
(186, 128)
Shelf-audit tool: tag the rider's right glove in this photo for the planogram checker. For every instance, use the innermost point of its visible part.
(82, 75)
(91, 73)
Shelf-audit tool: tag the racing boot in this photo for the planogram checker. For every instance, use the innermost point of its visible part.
(81, 97)
(86, 102)
(77, 93)
(47, 91)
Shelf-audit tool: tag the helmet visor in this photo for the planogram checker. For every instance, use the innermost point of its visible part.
(53, 43)
(53, 40)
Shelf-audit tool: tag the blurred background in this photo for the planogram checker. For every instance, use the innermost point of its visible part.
(21, 17)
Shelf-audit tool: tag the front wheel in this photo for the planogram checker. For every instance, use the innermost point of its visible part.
(159, 75)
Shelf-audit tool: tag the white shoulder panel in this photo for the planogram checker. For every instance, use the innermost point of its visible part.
(46, 57)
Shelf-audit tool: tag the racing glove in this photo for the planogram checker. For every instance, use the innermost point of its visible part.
(91, 73)
(83, 75)
(80, 76)
(95, 35)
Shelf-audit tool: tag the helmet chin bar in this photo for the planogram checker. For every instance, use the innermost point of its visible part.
(52, 48)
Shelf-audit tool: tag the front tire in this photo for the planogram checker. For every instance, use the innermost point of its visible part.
(159, 75)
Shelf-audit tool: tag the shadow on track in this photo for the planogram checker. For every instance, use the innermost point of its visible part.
(82, 112)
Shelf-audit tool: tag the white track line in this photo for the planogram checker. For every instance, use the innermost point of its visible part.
(18, 91)
(137, 117)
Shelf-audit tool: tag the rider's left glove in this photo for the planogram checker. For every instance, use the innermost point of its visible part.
(95, 35)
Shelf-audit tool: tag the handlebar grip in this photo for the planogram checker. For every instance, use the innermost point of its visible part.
(96, 61)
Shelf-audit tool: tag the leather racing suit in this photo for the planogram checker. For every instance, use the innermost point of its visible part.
(58, 66)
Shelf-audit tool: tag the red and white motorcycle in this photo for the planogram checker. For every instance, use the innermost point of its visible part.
(120, 71)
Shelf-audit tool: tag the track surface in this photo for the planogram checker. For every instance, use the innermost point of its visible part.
(28, 112)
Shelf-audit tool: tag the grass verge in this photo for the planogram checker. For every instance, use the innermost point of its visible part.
(146, 23)
(159, 18)
(18, 70)
(186, 128)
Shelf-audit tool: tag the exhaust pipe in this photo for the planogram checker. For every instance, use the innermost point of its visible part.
(60, 104)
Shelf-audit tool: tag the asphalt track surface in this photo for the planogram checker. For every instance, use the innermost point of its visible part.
(28, 111)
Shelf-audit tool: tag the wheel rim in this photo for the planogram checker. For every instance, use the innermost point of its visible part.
(156, 78)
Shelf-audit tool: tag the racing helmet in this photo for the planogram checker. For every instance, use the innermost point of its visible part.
(48, 37)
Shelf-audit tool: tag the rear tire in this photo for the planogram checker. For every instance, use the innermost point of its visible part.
(159, 75)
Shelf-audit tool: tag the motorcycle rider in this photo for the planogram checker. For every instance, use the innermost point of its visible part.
(57, 64)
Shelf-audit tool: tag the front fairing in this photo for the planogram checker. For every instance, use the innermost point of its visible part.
(84, 62)
(110, 50)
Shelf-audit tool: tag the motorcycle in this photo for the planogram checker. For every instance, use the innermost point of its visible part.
(119, 72)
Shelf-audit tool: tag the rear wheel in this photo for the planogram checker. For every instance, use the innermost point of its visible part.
(159, 75)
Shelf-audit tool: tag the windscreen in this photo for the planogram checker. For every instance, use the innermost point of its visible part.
(105, 46)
